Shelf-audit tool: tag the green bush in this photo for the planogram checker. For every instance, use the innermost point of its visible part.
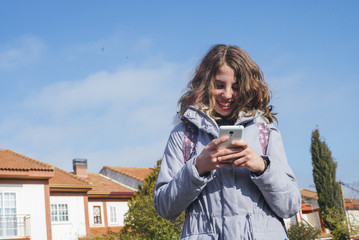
(142, 220)
(340, 229)
(302, 232)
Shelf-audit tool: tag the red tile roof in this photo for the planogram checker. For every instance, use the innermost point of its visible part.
(309, 194)
(102, 184)
(306, 207)
(10, 160)
(66, 179)
(61, 180)
(349, 202)
(134, 172)
(15, 162)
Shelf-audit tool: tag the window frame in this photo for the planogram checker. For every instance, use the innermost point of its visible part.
(60, 214)
(113, 217)
(100, 217)
(8, 206)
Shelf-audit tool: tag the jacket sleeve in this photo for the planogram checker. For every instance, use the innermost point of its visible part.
(278, 184)
(178, 183)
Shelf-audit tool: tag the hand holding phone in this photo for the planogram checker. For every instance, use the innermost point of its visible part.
(233, 132)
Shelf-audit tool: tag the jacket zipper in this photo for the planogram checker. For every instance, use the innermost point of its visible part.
(249, 216)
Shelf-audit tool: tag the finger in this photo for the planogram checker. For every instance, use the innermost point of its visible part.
(216, 142)
(229, 151)
(225, 161)
(241, 161)
(230, 157)
(239, 165)
(240, 143)
(224, 164)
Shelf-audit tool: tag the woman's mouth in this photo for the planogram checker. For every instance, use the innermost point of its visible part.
(225, 105)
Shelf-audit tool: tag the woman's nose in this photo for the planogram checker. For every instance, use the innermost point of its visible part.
(228, 92)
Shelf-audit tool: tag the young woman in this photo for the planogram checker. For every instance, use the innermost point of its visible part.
(241, 192)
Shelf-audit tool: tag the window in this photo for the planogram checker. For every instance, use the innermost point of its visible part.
(59, 213)
(97, 215)
(54, 214)
(113, 214)
(8, 220)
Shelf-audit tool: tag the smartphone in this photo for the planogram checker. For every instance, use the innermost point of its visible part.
(234, 133)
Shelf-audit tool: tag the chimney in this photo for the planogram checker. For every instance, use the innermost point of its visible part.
(80, 167)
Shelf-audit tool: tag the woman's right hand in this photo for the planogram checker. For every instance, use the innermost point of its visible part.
(211, 157)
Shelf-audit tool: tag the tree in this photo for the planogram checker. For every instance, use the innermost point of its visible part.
(142, 220)
(302, 232)
(329, 192)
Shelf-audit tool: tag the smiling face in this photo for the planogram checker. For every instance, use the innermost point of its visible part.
(225, 91)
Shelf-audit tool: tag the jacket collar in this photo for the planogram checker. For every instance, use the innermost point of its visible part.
(207, 124)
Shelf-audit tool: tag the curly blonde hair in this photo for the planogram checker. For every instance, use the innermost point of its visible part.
(254, 94)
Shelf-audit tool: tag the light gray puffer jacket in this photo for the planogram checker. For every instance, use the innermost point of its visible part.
(226, 203)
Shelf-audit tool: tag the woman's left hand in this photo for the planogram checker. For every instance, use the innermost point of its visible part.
(246, 158)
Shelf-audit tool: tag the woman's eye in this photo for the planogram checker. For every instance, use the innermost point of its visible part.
(219, 86)
(235, 87)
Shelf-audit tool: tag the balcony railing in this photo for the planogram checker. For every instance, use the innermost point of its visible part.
(14, 226)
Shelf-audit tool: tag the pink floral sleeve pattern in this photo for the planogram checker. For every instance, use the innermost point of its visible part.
(189, 142)
(263, 136)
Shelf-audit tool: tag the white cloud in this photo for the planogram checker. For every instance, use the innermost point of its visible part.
(120, 118)
(23, 51)
(126, 87)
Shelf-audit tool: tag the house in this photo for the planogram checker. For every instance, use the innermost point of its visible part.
(310, 214)
(107, 204)
(108, 200)
(40, 201)
(310, 210)
(352, 207)
(68, 205)
(129, 176)
(24, 197)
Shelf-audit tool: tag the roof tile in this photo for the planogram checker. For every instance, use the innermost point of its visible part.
(309, 194)
(66, 178)
(138, 173)
(10, 160)
(104, 184)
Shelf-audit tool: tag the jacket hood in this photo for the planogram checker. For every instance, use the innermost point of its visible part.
(206, 123)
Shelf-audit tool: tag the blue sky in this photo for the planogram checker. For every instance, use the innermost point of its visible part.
(101, 79)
